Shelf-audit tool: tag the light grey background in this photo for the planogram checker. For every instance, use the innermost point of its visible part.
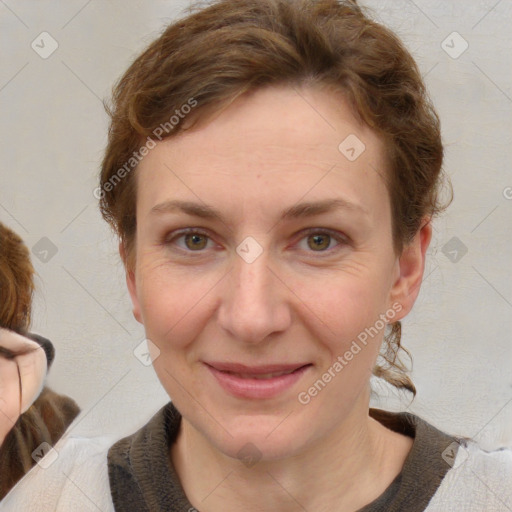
(53, 131)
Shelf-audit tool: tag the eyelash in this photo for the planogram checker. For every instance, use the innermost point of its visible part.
(342, 240)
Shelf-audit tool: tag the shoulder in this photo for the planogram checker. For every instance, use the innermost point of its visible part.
(478, 480)
(72, 475)
(140, 471)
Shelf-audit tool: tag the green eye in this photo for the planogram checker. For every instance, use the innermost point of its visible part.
(319, 242)
(195, 241)
(190, 240)
(315, 240)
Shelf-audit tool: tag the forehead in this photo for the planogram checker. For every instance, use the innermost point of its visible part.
(277, 142)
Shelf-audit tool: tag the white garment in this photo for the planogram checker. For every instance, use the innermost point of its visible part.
(478, 481)
(77, 481)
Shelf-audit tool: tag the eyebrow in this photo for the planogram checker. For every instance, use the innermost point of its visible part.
(298, 211)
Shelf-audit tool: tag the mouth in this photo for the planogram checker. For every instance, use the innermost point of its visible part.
(261, 382)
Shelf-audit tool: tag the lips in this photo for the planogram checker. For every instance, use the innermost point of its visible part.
(264, 381)
(261, 375)
(255, 371)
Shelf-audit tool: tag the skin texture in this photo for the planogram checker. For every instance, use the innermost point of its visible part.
(21, 378)
(268, 151)
(9, 396)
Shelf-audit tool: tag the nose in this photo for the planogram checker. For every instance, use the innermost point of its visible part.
(254, 302)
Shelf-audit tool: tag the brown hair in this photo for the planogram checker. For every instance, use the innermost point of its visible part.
(228, 47)
(16, 281)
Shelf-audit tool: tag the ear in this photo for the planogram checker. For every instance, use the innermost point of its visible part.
(410, 268)
(130, 282)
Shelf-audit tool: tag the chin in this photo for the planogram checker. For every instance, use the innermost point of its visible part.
(258, 438)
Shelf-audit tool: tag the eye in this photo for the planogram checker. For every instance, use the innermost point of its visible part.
(191, 240)
(195, 241)
(319, 240)
(314, 240)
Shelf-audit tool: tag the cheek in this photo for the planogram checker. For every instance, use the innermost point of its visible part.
(9, 395)
(174, 305)
(343, 307)
(345, 318)
(173, 312)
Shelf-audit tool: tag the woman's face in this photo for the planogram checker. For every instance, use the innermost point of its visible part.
(264, 264)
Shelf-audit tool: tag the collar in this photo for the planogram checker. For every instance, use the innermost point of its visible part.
(143, 478)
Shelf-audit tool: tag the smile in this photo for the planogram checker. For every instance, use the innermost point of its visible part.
(262, 382)
(262, 376)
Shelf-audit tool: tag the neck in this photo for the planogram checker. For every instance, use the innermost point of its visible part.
(343, 471)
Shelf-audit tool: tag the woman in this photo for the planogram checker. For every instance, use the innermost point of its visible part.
(272, 171)
(32, 417)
